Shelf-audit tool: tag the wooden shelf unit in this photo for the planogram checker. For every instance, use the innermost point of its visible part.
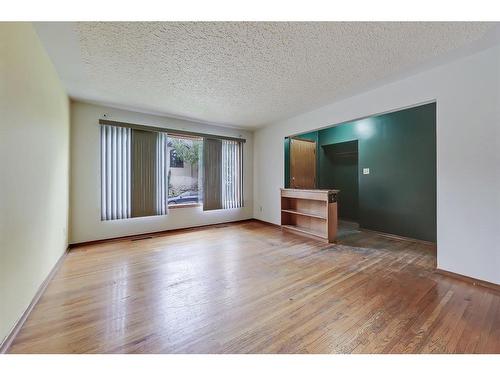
(310, 212)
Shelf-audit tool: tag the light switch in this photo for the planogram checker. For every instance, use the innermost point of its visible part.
(366, 170)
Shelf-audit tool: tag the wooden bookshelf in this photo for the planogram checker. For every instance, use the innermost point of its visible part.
(310, 212)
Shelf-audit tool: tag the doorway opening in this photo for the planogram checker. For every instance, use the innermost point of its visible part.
(384, 167)
(341, 161)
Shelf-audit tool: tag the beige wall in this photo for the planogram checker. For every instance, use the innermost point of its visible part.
(86, 224)
(34, 162)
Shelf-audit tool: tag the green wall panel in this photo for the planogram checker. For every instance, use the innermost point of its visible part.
(339, 170)
(399, 194)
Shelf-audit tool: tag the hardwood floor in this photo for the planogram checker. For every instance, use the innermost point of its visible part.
(249, 288)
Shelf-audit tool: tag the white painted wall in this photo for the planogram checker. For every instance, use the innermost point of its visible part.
(468, 155)
(85, 217)
(34, 170)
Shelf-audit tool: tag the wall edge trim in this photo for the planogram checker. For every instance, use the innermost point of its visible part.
(398, 237)
(267, 223)
(155, 233)
(469, 280)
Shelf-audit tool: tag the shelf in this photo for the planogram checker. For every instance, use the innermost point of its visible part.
(305, 231)
(310, 212)
(295, 212)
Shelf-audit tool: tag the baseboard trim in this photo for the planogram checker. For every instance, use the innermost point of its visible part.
(153, 234)
(267, 223)
(383, 234)
(9, 339)
(469, 280)
(397, 237)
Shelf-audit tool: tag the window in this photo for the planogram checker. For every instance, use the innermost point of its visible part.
(143, 171)
(184, 174)
(175, 160)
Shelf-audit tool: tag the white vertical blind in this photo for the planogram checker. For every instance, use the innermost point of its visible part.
(115, 172)
(162, 167)
(232, 174)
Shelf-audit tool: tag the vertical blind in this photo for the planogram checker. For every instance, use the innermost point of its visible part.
(144, 181)
(162, 167)
(212, 174)
(223, 174)
(232, 176)
(134, 173)
(135, 167)
(115, 172)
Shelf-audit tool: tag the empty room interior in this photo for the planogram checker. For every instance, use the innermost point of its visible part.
(250, 187)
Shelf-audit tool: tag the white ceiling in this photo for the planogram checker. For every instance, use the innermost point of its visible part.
(244, 74)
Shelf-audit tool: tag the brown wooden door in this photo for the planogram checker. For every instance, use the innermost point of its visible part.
(302, 164)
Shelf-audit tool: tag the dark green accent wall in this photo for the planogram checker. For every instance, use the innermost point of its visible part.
(339, 168)
(399, 194)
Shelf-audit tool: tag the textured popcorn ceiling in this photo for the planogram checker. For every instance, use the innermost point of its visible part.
(250, 74)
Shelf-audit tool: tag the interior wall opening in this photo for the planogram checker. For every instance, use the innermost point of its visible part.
(384, 167)
(340, 171)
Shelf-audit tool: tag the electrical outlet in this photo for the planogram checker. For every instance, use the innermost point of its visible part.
(260, 208)
(366, 170)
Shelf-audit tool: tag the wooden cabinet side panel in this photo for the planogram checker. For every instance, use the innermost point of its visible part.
(332, 221)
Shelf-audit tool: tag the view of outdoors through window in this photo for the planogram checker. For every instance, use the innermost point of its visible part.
(184, 172)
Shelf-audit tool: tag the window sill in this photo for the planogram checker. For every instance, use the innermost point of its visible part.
(184, 205)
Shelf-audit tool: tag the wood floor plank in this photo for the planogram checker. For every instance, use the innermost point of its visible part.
(251, 288)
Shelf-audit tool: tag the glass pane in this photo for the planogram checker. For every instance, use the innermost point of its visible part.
(183, 175)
